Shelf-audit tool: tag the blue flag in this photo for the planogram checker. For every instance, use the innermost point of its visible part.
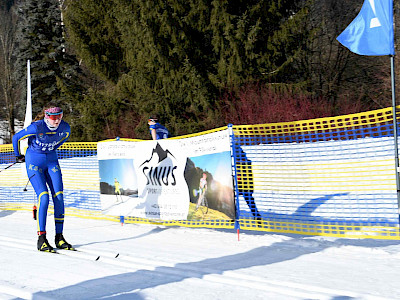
(371, 32)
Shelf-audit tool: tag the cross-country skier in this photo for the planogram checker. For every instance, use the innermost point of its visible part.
(117, 189)
(157, 130)
(202, 189)
(47, 133)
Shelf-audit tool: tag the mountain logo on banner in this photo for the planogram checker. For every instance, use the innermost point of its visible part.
(160, 152)
(159, 168)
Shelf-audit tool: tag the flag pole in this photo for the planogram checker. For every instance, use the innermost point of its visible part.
(395, 131)
(372, 33)
(28, 111)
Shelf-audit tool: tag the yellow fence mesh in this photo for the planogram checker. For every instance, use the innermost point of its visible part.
(328, 176)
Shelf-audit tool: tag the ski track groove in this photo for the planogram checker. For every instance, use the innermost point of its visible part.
(215, 276)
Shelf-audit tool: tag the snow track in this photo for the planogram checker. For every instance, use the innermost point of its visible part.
(285, 290)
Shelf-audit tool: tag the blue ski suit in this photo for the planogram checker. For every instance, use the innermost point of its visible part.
(43, 168)
(161, 131)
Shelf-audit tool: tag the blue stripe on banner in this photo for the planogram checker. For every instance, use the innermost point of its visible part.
(75, 162)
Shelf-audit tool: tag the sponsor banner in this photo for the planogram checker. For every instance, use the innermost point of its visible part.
(168, 179)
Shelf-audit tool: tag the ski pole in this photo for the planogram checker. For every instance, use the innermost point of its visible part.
(25, 189)
(9, 166)
(34, 209)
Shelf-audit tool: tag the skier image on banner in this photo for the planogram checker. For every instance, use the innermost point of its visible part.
(202, 190)
(118, 190)
(45, 135)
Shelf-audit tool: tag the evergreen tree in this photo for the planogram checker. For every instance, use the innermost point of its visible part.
(166, 56)
(41, 40)
(6, 4)
(92, 31)
(173, 58)
(252, 39)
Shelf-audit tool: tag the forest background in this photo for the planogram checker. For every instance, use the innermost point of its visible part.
(198, 64)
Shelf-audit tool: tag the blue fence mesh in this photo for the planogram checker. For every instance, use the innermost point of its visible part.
(329, 176)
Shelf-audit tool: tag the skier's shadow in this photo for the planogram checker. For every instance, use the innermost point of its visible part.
(6, 213)
(153, 231)
(128, 285)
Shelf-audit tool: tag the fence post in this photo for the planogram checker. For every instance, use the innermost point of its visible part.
(234, 172)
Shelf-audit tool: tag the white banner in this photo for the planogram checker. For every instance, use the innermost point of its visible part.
(159, 179)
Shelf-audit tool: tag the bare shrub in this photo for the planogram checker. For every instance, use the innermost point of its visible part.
(256, 104)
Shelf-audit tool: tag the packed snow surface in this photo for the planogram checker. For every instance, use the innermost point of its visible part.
(136, 261)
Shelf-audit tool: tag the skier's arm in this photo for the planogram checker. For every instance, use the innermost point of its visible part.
(153, 133)
(24, 133)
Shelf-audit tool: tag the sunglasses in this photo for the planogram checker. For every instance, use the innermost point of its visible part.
(54, 116)
(152, 120)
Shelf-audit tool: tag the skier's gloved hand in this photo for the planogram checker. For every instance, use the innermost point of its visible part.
(21, 158)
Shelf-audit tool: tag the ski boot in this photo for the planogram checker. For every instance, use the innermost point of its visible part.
(61, 243)
(43, 244)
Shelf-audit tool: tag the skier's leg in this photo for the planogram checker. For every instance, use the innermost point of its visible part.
(35, 167)
(55, 183)
(39, 185)
(200, 198)
(116, 195)
(248, 196)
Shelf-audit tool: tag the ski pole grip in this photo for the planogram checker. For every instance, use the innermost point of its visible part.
(34, 211)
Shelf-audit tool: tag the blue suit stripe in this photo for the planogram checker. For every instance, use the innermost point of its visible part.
(65, 138)
(19, 140)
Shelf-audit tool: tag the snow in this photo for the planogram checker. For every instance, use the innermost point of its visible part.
(158, 262)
